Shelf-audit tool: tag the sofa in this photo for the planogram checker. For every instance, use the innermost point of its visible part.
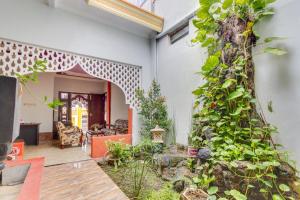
(69, 135)
(119, 127)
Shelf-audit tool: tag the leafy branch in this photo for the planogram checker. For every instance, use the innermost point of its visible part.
(229, 122)
(39, 66)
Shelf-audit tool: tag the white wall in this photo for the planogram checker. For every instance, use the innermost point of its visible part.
(80, 85)
(33, 109)
(174, 10)
(277, 78)
(119, 108)
(177, 67)
(34, 22)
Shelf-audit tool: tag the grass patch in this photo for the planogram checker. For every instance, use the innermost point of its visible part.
(123, 177)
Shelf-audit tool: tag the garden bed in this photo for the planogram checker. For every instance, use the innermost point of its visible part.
(122, 176)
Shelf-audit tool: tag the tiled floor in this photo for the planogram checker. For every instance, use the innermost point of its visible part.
(9, 192)
(54, 155)
(78, 181)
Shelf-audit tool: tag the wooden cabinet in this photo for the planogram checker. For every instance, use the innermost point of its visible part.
(29, 132)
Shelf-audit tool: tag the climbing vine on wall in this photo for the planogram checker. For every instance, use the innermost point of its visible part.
(237, 134)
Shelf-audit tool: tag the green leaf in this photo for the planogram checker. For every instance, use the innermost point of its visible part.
(213, 197)
(198, 92)
(237, 111)
(212, 190)
(276, 197)
(237, 195)
(238, 93)
(275, 51)
(284, 188)
(266, 183)
(267, 12)
(228, 83)
(271, 175)
(270, 1)
(271, 39)
(262, 190)
(196, 180)
(240, 2)
(210, 63)
(227, 4)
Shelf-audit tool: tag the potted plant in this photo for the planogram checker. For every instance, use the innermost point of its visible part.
(192, 147)
(194, 194)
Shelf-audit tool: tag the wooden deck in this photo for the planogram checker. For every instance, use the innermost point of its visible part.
(79, 181)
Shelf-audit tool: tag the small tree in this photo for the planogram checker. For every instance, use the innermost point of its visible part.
(153, 110)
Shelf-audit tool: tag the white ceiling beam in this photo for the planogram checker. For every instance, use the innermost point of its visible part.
(131, 12)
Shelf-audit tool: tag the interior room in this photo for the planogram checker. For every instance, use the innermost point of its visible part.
(85, 104)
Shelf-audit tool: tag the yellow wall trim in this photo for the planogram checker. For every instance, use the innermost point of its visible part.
(131, 12)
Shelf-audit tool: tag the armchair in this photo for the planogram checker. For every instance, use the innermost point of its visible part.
(69, 135)
(120, 127)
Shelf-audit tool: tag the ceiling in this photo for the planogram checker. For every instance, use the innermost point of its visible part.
(81, 8)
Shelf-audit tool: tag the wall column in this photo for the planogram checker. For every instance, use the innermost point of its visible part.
(108, 100)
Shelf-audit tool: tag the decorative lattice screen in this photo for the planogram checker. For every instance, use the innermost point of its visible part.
(16, 56)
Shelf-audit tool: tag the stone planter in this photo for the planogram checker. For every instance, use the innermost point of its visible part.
(192, 151)
(193, 194)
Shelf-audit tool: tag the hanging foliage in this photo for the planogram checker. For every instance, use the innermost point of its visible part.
(238, 136)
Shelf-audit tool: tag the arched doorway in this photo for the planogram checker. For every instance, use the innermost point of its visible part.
(16, 56)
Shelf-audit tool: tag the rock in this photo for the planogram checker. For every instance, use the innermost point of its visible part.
(102, 161)
(204, 154)
(179, 185)
(208, 133)
(182, 163)
(169, 174)
(285, 170)
(165, 161)
(168, 160)
(225, 179)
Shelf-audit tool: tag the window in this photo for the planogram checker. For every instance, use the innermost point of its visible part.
(179, 33)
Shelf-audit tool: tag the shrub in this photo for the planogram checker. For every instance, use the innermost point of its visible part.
(166, 193)
(153, 110)
(147, 147)
(119, 151)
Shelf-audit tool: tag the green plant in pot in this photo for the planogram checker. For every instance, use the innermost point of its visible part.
(192, 147)
(118, 153)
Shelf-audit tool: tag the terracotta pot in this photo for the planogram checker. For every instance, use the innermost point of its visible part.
(192, 151)
(193, 194)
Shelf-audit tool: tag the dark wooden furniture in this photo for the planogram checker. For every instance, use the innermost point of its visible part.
(29, 132)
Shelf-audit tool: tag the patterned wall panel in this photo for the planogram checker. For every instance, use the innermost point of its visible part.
(16, 56)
